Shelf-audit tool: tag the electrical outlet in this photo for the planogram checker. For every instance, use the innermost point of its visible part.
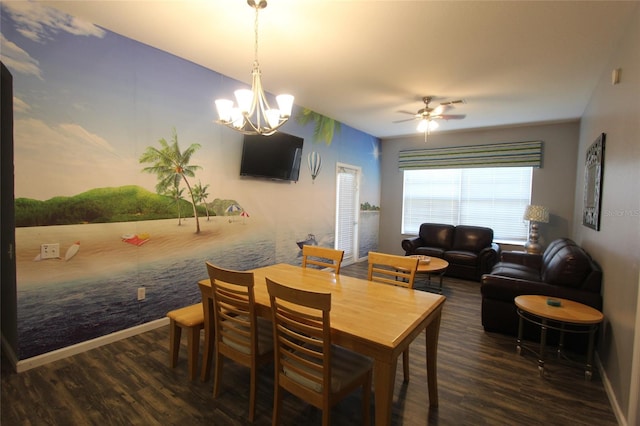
(49, 251)
(142, 293)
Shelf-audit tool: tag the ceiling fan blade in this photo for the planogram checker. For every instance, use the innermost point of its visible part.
(402, 121)
(452, 116)
(406, 112)
(457, 101)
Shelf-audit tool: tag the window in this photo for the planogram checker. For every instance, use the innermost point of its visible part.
(492, 197)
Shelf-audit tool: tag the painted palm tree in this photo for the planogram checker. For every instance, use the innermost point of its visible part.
(175, 193)
(172, 166)
(200, 194)
(325, 127)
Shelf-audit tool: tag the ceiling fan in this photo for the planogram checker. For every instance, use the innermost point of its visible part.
(428, 114)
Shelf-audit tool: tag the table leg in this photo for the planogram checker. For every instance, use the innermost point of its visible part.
(588, 371)
(561, 342)
(384, 375)
(519, 340)
(432, 330)
(543, 346)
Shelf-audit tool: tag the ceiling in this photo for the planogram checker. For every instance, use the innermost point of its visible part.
(357, 61)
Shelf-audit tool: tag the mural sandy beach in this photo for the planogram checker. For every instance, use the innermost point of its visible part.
(103, 250)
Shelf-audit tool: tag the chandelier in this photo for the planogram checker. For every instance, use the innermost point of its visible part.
(253, 115)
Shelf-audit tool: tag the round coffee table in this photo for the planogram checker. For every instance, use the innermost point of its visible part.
(563, 315)
(434, 265)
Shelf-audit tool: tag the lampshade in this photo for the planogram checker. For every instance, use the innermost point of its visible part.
(535, 213)
(427, 125)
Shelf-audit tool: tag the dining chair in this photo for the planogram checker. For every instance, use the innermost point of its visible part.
(191, 319)
(392, 269)
(307, 364)
(207, 309)
(395, 270)
(239, 334)
(322, 256)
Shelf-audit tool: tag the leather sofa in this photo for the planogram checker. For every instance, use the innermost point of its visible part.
(470, 250)
(564, 270)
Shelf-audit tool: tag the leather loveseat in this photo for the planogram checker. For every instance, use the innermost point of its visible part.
(470, 250)
(564, 270)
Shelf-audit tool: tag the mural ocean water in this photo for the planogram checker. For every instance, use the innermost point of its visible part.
(64, 313)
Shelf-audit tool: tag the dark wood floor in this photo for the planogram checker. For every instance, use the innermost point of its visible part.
(481, 381)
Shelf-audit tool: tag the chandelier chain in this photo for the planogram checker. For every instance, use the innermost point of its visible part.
(255, 35)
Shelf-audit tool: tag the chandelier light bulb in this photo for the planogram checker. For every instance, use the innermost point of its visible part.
(224, 107)
(285, 104)
(244, 97)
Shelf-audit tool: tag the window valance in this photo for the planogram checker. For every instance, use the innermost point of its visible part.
(514, 154)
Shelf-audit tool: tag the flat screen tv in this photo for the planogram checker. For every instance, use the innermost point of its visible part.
(275, 157)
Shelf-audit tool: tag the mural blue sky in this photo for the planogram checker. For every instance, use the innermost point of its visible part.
(73, 89)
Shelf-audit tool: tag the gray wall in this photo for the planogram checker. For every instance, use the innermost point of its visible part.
(553, 184)
(615, 110)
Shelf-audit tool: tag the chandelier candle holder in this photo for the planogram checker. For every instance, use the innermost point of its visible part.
(253, 115)
(535, 214)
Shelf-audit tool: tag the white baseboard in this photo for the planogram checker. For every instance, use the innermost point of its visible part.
(622, 420)
(36, 361)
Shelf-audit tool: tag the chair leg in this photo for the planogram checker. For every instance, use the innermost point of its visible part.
(405, 364)
(193, 346)
(277, 403)
(217, 373)
(175, 333)
(207, 355)
(252, 392)
(326, 413)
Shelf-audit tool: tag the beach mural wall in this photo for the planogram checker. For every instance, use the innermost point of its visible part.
(99, 212)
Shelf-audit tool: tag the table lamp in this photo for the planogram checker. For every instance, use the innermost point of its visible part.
(535, 214)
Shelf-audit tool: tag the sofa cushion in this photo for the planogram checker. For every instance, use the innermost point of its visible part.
(568, 267)
(513, 270)
(472, 238)
(554, 246)
(437, 235)
(460, 257)
(430, 251)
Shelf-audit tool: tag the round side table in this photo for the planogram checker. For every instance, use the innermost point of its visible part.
(434, 265)
(565, 316)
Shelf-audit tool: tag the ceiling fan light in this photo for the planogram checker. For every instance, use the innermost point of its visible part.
(423, 125)
(433, 125)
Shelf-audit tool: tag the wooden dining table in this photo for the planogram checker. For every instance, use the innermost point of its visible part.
(374, 319)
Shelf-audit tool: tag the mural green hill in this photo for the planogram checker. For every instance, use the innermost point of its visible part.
(100, 205)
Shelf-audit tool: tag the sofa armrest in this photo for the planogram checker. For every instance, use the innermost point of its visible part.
(488, 257)
(522, 258)
(411, 244)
